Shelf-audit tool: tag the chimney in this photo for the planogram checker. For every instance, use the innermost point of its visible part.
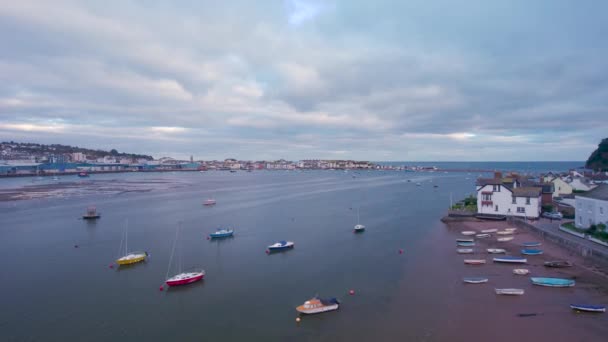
(497, 175)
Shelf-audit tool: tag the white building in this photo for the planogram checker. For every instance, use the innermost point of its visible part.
(592, 207)
(581, 184)
(507, 199)
(79, 157)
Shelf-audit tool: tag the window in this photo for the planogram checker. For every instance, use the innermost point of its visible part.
(521, 209)
(602, 210)
(486, 197)
(580, 220)
(527, 200)
(496, 208)
(514, 200)
(496, 188)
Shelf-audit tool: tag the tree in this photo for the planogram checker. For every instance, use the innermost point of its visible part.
(598, 160)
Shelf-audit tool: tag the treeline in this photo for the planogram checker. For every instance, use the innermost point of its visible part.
(34, 148)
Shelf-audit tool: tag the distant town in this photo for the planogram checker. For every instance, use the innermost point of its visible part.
(28, 159)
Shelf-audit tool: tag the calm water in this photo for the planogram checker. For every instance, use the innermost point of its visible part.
(52, 291)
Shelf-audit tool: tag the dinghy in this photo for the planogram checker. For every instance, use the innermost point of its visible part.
(468, 233)
(588, 308)
(510, 229)
(511, 260)
(465, 240)
(496, 250)
(474, 261)
(552, 282)
(531, 251)
(531, 244)
(475, 280)
(489, 230)
(504, 232)
(466, 244)
(504, 239)
(482, 236)
(511, 292)
(222, 233)
(464, 250)
(521, 271)
(558, 264)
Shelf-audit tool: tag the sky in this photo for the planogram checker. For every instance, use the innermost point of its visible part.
(300, 79)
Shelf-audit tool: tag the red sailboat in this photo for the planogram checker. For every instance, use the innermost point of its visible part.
(182, 278)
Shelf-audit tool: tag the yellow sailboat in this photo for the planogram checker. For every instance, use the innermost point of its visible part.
(130, 257)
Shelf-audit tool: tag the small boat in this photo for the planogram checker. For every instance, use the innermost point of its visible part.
(359, 228)
(510, 229)
(91, 214)
(496, 250)
(185, 278)
(588, 308)
(474, 261)
(511, 259)
(482, 236)
(222, 233)
(83, 174)
(475, 280)
(130, 257)
(464, 250)
(531, 244)
(552, 282)
(233, 171)
(531, 251)
(504, 239)
(465, 244)
(521, 271)
(558, 264)
(511, 292)
(504, 232)
(465, 240)
(318, 305)
(281, 246)
(489, 230)
(468, 232)
(210, 202)
(55, 178)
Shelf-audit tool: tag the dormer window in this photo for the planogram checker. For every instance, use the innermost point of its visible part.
(527, 200)
(496, 188)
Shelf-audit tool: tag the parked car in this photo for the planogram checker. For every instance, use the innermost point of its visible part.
(553, 215)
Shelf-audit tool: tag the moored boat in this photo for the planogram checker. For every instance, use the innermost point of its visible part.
(467, 232)
(185, 278)
(588, 308)
(465, 244)
(482, 236)
(91, 214)
(464, 250)
(496, 250)
(558, 263)
(359, 228)
(280, 246)
(531, 244)
(504, 239)
(222, 233)
(510, 229)
(489, 230)
(318, 305)
(504, 232)
(474, 261)
(521, 271)
(552, 282)
(529, 251)
(475, 280)
(209, 202)
(83, 174)
(130, 257)
(511, 292)
(511, 259)
(465, 240)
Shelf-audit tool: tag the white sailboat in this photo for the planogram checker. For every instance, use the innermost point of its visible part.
(359, 228)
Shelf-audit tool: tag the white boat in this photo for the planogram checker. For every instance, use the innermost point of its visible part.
(465, 240)
(489, 230)
(464, 250)
(482, 236)
(510, 229)
(504, 239)
(210, 202)
(521, 271)
(318, 305)
(511, 292)
(468, 232)
(475, 280)
(496, 250)
(511, 260)
(504, 232)
(359, 228)
(474, 261)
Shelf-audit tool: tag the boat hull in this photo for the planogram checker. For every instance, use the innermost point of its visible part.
(588, 308)
(511, 260)
(531, 252)
(185, 281)
(552, 282)
(221, 235)
(475, 280)
(133, 260)
(90, 217)
(509, 292)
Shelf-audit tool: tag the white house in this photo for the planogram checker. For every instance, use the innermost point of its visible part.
(592, 207)
(497, 198)
(560, 187)
(579, 183)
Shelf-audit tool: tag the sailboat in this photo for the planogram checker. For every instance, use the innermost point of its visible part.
(181, 278)
(130, 257)
(359, 228)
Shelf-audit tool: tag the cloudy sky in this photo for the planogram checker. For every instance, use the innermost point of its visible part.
(374, 80)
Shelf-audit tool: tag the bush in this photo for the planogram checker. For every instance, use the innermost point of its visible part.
(601, 227)
(547, 207)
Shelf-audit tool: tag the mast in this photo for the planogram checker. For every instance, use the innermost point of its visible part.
(127, 237)
(173, 252)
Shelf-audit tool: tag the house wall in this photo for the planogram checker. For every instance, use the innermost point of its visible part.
(590, 211)
(576, 184)
(561, 188)
(503, 199)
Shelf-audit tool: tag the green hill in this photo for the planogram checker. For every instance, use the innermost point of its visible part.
(598, 160)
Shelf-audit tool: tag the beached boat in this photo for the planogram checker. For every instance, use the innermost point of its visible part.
(465, 240)
(475, 280)
(558, 263)
(510, 229)
(465, 244)
(181, 278)
(281, 246)
(467, 232)
(530, 244)
(504, 239)
(552, 282)
(318, 305)
(91, 214)
(359, 228)
(464, 250)
(504, 232)
(83, 174)
(588, 308)
(496, 250)
(130, 257)
(482, 236)
(511, 292)
(474, 261)
(521, 271)
(511, 260)
(222, 233)
(209, 202)
(531, 251)
(489, 230)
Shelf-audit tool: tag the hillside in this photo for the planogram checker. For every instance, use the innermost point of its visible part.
(41, 149)
(598, 160)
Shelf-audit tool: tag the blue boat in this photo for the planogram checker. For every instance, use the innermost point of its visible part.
(511, 260)
(531, 251)
(466, 244)
(222, 233)
(531, 244)
(552, 282)
(588, 308)
(280, 246)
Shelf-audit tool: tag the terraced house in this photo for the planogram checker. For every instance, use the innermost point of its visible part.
(500, 196)
(592, 207)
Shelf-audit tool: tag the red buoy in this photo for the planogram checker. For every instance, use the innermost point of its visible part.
(111, 266)
(401, 251)
(351, 292)
(208, 238)
(267, 252)
(160, 288)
